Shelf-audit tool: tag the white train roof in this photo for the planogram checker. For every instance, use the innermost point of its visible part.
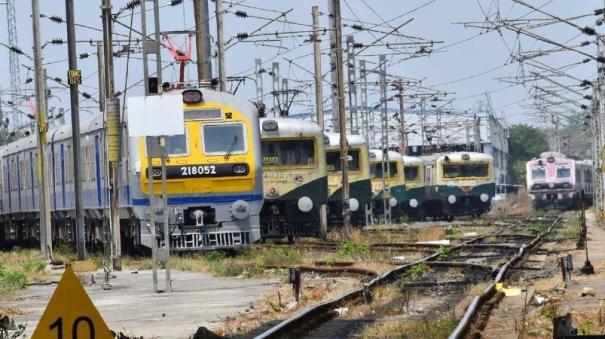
(408, 160)
(553, 154)
(352, 139)
(376, 154)
(290, 127)
(473, 156)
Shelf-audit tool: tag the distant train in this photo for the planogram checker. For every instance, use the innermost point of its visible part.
(393, 177)
(459, 183)
(554, 180)
(294, 175)
(214, 175)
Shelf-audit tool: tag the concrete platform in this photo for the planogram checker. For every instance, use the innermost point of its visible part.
(133, 308)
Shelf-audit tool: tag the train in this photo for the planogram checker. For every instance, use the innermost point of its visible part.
(555, 181)
(458, 183)
(294, 176)
(413, 203)
(214, 176)
(360, 187)
(391, 176)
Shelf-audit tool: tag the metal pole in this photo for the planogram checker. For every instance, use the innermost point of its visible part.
(365, 113)
(354, 123)
(404, 146)
(220, 42)
(333, 63)
(157, 47)
(101, 75)
(202, 39)
(45, 220)
(275, 77)
(75, 128)
(319, 104)
(114, 135)
(386, 168)
(422, 117)
(340, 91)
(258, 75)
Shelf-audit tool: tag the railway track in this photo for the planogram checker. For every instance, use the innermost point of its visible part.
(485, 258)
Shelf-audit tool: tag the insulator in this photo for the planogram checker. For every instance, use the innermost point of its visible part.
(175, 2)
(598, 11)
(16, 49)
(588, 97)
(57, 79)
(589, 30)
(586, 60)
(57, 42)
(56, 18)
(31, 116)
(133, 4)
(86, 95)
(358, 45)
(9, 102)
(28, 80)
(241, 14)
(600, 59)
(84, 55)
(242, 36)
(585, 83)
(357, 27)
(583, 107)
(585, 43)
(117, 94)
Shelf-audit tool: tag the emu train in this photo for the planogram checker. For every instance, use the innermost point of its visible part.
(391, 176)
(294, 175)
(554, 180)
(459, 183)
(214, 178)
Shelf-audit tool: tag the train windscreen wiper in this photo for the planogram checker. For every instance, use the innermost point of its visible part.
(233, 142)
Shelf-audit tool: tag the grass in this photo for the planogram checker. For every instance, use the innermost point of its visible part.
(18, 268)
(418, 271)
(434, 328)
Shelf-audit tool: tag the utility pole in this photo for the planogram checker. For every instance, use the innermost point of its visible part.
(340, 91)
(476, 134)
(422, 124)
(354, 123)
(363, 88)
(114, 135)
(275, 77)
(258, 75)
(220, 42)
(74, 78)
(45, 220)
(319, 104)
(404, 144)
(386, 168)
(334, 64)
(202, 39)
(101, 75)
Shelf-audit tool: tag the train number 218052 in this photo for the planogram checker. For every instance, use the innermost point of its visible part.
(198, 170)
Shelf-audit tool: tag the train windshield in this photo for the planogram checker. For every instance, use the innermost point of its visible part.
(465, 170)
(175, 145)
(224, 139)
(333, 160)
(411, 173)
(376, 169)
(288, 152)
(538, 173)
(563, 172)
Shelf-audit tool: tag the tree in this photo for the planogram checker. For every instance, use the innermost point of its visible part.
(524, 143)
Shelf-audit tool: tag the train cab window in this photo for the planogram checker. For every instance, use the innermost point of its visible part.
(333, 160)
(176, 145)
(563, 172)
(376, 169)
(411, 173)
(288, 152)
(538, 173)
(465, 170)
(219, 139)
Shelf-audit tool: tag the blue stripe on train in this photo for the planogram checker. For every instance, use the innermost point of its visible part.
(18, 182)
(98, 169)
(202, 199)
(31, 168)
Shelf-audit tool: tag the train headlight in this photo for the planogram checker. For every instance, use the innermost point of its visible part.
(240, 169)
(272, 192)
(484, 197)
(551, 185)
(451, 199)
(192, 96)
(413, 203)
(392, 202)
(353, 204)
(566, 185)
(305, 204)
(532, 197)
(240, 209)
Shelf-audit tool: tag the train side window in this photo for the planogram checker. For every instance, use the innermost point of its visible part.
(219, 139)
(376, 169)
(333, 160)
(288, 152)
(411, 173)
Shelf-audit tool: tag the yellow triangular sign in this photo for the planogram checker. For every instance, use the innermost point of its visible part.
(71, 314)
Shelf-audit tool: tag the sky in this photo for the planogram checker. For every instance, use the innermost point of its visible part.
(466, 62)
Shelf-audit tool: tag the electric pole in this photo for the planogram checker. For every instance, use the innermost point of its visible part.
(319, 105)
(386, 168)
(365, 113)
(114, 135)
(202, 40)
(74, 78)
(352, 89)
(101, 75)
(334, 65)
(45, 220)
(220, 42)
(258, 77)
(342, 123)
(404, 146)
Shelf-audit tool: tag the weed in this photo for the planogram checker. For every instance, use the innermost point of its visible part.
(444, 253)
(478, 222)
(439, 327)
(404, 219)
(453, 230)
(349, 249)
(418, 271)
(213, 256)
